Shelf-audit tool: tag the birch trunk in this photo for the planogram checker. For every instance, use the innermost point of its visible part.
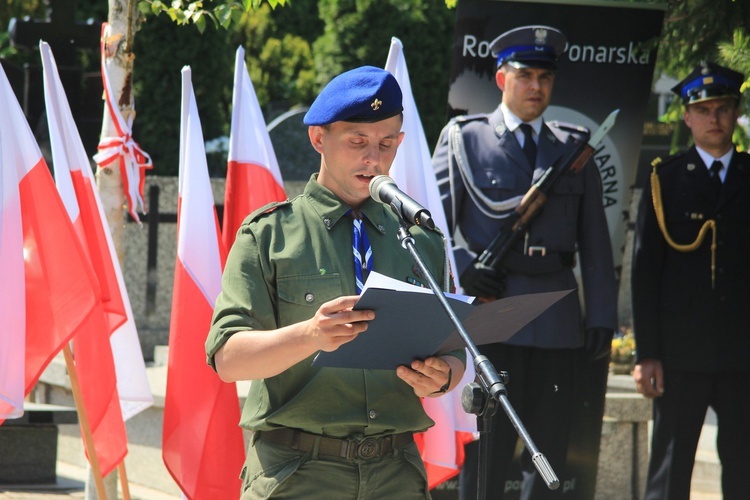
(122, 21)
(118, 44)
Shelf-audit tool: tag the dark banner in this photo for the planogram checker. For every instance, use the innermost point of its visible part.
(609, 65)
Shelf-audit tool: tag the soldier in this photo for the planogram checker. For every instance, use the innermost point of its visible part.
(691, 291)
(288, 290)
(484, 165)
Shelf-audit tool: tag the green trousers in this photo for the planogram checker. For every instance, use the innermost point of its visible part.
(277, 472)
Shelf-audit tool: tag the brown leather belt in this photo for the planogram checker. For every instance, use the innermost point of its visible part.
(369, 447)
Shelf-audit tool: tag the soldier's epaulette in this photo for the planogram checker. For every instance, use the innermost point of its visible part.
(658, 162)
(570, 128)
(267, 209)
(469, 118)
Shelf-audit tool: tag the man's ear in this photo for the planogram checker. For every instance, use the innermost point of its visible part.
(500, 79)
(315, 133)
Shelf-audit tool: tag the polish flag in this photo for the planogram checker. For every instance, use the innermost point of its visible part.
(16, 153)
(253, 175)
(55, 294)
(77, 188)
(202, 444)
(441, 446)
(94, 360)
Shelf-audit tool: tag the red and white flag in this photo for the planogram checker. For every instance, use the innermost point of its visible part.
(253, 175)
(77, 188)
(13, 289)
(442, 446)
(202, 444)
(58, 287)
(94, 361)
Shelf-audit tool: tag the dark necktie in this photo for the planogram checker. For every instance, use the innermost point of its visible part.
(716, 167)
(529, 146)
(361, 249)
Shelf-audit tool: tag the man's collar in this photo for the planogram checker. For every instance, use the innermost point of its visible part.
(708, 158)
(512, 121)
(331, 209)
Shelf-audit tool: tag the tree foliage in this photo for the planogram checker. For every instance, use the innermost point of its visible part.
(359, 32)
(278, 54)
(291, 52)
(162, 49)
(712, 30)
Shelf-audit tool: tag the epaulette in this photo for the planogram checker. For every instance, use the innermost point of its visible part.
(571, 128)
(267, 209)
(659, 162)
(469, 118)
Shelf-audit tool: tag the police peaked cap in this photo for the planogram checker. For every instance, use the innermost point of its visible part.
(529, 47)
(709, 81)
(366, 94)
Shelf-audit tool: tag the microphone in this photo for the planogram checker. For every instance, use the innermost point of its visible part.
(384, 190)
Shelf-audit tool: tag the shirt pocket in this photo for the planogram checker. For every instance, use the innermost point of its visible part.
(301, 296)
(565, 199)
(496, 184)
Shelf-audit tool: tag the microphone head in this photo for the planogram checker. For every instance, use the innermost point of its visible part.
(375, 185)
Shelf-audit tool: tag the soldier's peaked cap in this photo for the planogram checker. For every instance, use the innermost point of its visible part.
(709, 81)
(530, 47)
(366, 94)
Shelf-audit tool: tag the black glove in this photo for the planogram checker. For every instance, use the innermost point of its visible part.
(598, 343)
(482, 281)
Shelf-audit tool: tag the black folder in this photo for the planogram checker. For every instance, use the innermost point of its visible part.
(414, 325)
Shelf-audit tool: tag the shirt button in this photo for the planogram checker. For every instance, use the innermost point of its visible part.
(309, 297)
(327, 222)
(373, 414)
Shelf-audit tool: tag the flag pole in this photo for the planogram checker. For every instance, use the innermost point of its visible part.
(88, 439)
(123, 481)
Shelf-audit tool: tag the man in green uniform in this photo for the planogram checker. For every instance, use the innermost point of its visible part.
(288, 290)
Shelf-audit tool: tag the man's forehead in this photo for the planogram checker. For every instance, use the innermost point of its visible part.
(384, 128)
(726, 102)
(531, 71)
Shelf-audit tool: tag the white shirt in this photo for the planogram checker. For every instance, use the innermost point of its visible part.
(709, 159)
(513, 122)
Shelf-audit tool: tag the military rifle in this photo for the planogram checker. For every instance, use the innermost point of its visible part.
(515, 225)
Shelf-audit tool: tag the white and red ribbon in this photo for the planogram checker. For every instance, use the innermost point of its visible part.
(131, 159)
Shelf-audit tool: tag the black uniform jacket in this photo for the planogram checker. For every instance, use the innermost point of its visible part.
(679, 317)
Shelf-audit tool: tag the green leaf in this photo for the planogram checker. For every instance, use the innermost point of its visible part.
(200, 21)
(145, 8)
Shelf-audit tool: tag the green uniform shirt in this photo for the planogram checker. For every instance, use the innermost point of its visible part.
(286, 262)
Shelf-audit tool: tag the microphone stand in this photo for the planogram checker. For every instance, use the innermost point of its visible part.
(478, 399)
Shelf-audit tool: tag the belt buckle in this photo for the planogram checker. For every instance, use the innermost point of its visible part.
(537, 250)
(367, 448)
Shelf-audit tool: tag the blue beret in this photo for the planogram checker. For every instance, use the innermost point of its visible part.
(709, 81)
(366, 94)
(529, 47)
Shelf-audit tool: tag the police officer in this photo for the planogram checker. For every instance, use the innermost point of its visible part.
(484, 165)
(691, 291)
(288, 290)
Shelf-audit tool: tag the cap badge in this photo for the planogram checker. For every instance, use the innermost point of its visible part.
(708, 79)
(376, 104)
(540, 36)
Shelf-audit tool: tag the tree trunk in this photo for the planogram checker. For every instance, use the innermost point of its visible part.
(118, 43)
(119, 66)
